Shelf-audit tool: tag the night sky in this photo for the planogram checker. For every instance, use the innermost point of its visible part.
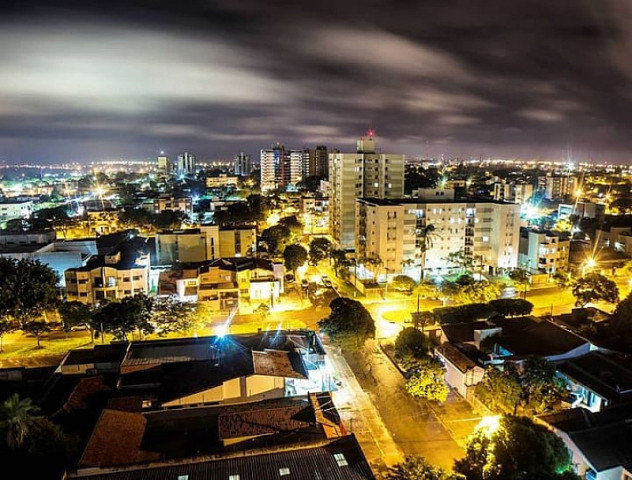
(533, 79)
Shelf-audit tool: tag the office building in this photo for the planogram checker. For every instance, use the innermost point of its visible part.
(242, 164)
(316, 162)
(543, 251)
(186, 164)
(366, 173)
(392, 230)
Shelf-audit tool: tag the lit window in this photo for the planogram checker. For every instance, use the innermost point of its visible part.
(284, 471)
(233, 477)
(183, 477)
(340, 459)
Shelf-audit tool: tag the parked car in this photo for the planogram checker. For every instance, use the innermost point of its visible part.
(304, 284)
(327, 282)
(289, 278)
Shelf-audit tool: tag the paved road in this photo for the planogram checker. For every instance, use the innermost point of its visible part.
(360, 416)
(415, 429)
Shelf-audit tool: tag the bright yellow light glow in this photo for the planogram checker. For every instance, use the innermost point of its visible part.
(99, 191)
(488, 425)
(386, 329)
(590, 263)
(578, 193)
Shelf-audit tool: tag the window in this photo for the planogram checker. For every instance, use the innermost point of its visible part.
(183, 477)
(233, 477)
(284, 471)
(340, 459)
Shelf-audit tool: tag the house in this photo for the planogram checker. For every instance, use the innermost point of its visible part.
(597, 380)
(463, 366)
(600, 443)
(222, 283)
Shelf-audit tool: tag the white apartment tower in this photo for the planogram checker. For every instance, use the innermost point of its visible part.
(485, 231)
(186, 164)
(366, 173)
(280, 168)
(242, 164)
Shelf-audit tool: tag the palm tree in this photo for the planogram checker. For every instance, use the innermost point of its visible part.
(17, 416)
(427, 238)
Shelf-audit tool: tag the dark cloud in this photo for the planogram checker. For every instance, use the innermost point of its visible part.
(494, 78)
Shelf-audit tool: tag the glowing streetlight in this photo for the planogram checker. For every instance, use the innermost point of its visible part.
(590, 263)
(489, 425)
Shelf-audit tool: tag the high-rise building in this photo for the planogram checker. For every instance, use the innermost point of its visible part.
(242, 164)
(543, 251)
(280, 168)
(365, 173)
(486, 232)
(558, 186)
(164, 163)
(186, 164)
(514, 192)
(316, 163)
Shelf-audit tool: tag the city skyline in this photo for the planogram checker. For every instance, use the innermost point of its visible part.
(527, 80)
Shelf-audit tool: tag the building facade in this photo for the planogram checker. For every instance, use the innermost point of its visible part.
(10, 210)
(208, 242)
(365, 173)
(187, 164)
(107, 277)
(486, 232)
(242, 164)
(280, 168)
(543, 252)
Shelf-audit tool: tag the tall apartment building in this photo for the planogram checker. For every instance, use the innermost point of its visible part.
(543, 252)
(169, 202)
(242, 164)
(514, 192)
(108, 277)
(557, 186)
(279, 167)
(366, 173)
(205, 243)
(316, 164)
(186, 164)
(391, 230)
(164, 164)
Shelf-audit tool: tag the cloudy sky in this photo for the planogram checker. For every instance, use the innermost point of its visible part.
(88, 80)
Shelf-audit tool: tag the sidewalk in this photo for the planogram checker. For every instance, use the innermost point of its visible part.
(361, 417)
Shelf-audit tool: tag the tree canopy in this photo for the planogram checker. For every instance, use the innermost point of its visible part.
(427, 380)
(594, 287)
(518, 449)
(27, 289)
(417, 468)
(319, 249)
(349, 324)
(411, 342)
(294, 256)
(403, 283)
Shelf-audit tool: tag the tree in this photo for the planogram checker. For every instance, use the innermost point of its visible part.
(341, 262)
(417, 468)
(75, 314)
(410, 342)
(37, 328)
(500, 390)
(16, 419)
(27, 289)
(6, 326)
(426, 238)
(135, 217)
(594, 287)
(540, 385)
(319, 249)
(403, 283)
(510, 307)
(521, 278)
(294, 256)
(349, 324)
(125, 316)
(168, 219)
(427, 381)
(169, 314)
(274, 236)
(463, 261)
(463, 313)
(478, 292)
(621, 322)
(449, 291)
(293, 223)
(518, 449)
